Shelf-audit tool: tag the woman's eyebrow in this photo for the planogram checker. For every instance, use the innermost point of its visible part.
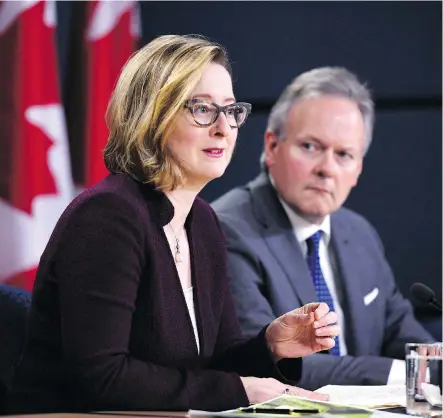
(208, 96)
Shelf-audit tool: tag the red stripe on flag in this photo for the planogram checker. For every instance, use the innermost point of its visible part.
(39, 184)
(109, 44)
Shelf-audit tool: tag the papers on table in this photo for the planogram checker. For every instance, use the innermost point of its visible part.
(432, 394)
(373, 397)
(274, 408)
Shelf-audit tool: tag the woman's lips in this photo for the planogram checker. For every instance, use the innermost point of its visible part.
(214, 152)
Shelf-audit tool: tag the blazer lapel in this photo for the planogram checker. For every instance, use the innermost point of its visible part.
(279, 236)
(201, 303)
(348, 256)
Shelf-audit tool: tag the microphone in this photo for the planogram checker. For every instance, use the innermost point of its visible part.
(422, 293)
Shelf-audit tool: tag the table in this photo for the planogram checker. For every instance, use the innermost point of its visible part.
(116, 414)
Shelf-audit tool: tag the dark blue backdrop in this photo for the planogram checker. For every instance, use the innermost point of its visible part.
(395, 46)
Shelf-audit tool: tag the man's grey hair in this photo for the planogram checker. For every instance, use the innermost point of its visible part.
(336, 81)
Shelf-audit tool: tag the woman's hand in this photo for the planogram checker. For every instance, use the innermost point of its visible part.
(261, 390)
(302, 331)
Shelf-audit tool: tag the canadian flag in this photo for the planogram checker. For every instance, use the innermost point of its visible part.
(35, 172)
(112, 33)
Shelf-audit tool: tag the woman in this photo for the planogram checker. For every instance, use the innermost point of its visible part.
(131, 307)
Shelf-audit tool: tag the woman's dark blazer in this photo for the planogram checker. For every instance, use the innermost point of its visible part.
(109, 328)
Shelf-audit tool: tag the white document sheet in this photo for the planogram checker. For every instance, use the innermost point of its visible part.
(372, 397)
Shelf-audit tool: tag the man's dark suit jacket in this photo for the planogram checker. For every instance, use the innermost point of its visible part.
(269, 277)
(109, 327)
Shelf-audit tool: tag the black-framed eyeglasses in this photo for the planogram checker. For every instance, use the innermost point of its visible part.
(205, 114)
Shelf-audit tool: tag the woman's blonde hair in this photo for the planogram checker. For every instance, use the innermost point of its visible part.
(151, 90)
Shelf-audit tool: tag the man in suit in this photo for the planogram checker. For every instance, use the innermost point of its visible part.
(291, 242)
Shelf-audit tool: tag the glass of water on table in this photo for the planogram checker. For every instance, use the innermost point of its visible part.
(423, 379)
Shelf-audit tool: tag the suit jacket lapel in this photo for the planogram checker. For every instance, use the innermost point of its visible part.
(198, 273)
(348, 256)
(279, 236)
